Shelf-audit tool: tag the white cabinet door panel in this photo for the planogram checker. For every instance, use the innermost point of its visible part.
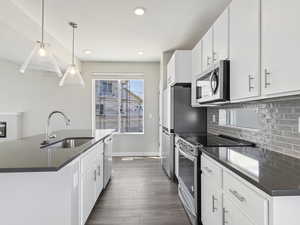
(221, 37)
(244, 49)
(280, 44)
(207, 46)
(233, 216)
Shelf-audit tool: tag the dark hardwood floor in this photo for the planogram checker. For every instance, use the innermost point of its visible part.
(139, 194)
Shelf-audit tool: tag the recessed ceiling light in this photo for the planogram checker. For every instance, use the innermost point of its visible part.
(139, 11)
(140, 52)
(87, 51)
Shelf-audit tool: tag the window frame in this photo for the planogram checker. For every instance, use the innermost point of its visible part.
(119, 99)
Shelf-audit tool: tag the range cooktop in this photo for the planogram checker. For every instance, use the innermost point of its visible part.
(211, 140)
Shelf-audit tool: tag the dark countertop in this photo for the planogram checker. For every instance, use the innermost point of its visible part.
(272, 172)
(25, 154)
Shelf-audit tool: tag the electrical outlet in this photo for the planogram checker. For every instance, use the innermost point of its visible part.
(214, 118)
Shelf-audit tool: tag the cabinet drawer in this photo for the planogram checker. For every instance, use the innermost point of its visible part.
(212, 171)
(250, 202)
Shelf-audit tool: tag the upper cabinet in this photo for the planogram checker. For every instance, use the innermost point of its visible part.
(179, 68)
(207, 49)
(244, 49)
(221, 37)
(196, 71)
(280, 41)
(197, 59)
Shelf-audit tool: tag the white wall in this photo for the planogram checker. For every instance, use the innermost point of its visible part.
(37, 94)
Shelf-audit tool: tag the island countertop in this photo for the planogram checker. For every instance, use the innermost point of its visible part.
(26, 154)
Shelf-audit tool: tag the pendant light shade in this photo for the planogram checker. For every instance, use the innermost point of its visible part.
(72, 75)
(41, 53)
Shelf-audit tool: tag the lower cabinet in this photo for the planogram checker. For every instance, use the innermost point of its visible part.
(211, 193)
(232, 215)
(91, 179)
(225, 199)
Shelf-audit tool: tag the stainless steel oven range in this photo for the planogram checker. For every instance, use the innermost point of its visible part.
(189, 169)
(189, 177)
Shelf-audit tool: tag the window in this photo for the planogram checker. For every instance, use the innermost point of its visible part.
(119, 104)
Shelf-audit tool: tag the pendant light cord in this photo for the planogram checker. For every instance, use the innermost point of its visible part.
(43, 22)
(73, 47)
(74, 26)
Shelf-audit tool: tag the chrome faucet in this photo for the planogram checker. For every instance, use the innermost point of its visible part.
(48, 135)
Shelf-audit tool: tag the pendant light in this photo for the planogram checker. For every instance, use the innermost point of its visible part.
(72, 75)
(42, 53)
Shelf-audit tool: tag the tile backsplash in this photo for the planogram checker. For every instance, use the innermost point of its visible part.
(278, 122)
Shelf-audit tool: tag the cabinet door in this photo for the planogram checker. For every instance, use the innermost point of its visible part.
(205, 201)
(196, 71)
(99, 168)
(244, 49)
(211, 202)
(233, 215)
(197, 59)
(207, 45)
(171, 71)
(221, 37)
(280, 41)
(88, 187)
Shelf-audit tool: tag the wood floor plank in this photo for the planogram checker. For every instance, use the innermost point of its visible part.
(138, 194)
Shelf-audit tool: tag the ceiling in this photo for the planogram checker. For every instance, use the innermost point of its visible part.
(114, 33)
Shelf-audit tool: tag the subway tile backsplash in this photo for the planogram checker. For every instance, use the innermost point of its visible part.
(278, 122)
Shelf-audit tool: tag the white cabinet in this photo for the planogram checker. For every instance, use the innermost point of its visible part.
(221, 37)
(197, 59)
(280, 41)
(196, 71)
(211, 192)
(207, 49)
(245, 49)
(179, 68)
(100, 169)
(91, 179)
(232, 215)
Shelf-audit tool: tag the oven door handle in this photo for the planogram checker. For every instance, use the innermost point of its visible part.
(183, 200)
(192, 158)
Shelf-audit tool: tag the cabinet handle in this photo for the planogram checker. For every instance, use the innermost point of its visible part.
(267, 73)
(224, 216)
(250, 78)
(99, 170)
(237, 195)
(213, 204)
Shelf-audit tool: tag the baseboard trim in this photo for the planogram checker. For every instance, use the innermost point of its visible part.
(127, 154)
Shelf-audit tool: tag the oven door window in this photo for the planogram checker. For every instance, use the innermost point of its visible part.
(186, 172)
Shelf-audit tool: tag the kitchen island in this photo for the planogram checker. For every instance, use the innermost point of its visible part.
(53, 184)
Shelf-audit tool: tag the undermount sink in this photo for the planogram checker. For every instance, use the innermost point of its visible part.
(69, 143)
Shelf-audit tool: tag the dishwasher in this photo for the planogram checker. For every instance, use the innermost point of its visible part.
(108, 144)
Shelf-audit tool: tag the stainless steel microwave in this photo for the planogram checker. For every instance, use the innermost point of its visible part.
(213, 84)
